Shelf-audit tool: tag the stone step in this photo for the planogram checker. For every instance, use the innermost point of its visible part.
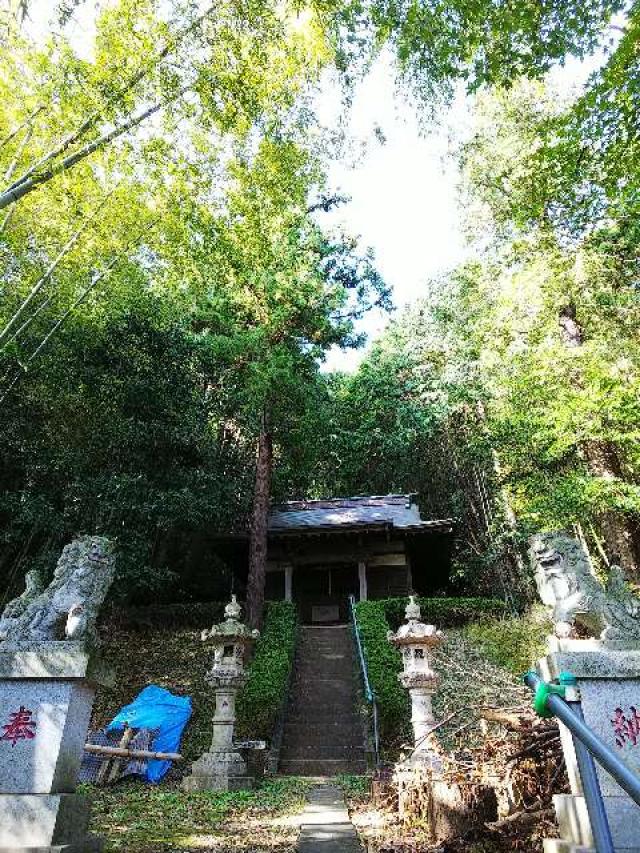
(326, 679)
(315, 734)
(335, 697)
(323, 732)
(329, 728)
(346, 735)
(301, 751)
(313, 767)
(302, 713)
(339, 665)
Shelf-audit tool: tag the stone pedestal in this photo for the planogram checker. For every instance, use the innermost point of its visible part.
(222, 768)
(609, 683)
(46, 694)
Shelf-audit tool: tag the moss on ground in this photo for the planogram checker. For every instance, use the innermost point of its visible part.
(174, 658)
(135, 817)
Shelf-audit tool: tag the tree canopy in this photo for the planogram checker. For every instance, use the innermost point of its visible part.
(170, 283)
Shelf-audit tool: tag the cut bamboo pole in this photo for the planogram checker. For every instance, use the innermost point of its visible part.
(118, 752)
(116, 764)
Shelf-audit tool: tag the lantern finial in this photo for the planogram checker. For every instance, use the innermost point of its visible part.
(412, 610)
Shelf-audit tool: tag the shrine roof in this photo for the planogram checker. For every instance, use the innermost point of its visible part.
(384, 512)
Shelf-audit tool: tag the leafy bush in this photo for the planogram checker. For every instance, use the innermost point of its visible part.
(384, 663)
(261, 699)
(444, 612)
(515, 644)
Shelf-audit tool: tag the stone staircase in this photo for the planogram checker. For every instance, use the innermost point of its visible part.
(323, 733)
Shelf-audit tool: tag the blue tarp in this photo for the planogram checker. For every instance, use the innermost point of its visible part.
(156, 708)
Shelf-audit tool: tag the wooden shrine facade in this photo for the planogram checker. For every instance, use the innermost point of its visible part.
(321, 552)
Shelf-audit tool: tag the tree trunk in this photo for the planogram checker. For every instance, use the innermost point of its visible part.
(258, 535)
(619, 532)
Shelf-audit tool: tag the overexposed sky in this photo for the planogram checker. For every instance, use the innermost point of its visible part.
(404, 196)
(403, 192)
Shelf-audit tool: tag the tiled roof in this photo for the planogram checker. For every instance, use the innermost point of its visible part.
(397, 511)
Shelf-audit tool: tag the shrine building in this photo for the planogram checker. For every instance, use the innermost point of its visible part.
(322, 551)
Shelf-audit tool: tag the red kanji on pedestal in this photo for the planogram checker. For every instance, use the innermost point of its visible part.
(19, 727)
(626, 728)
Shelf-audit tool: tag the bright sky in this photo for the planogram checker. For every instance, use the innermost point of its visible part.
(403, 193)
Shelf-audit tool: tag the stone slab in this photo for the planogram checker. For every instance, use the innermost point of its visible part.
(47, 761)
(60, 659)
(325, 825)
(557, 845)
(593, 662)
(609, 682)
(574, 825)
(38, 820)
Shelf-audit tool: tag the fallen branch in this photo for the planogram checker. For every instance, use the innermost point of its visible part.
(520, 818)
(517, 719)
(533, 748)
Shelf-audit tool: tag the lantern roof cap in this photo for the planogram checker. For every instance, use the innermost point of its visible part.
(231, 629)
(413, 631)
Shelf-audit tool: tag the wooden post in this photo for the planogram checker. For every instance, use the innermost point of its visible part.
(288, 583)
(362, 577)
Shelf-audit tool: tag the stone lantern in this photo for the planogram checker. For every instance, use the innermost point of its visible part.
(223, 768)
(416, 642)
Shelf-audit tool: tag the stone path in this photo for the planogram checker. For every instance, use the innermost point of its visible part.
(325, 825)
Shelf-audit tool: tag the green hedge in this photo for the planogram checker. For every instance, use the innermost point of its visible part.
(384, 664)
(264, 693)
(444, 612)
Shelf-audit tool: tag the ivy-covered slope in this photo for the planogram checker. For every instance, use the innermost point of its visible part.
(162, 645)
(479, 661)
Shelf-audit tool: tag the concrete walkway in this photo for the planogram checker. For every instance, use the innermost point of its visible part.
(325, 825)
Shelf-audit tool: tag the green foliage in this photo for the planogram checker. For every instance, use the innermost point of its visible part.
(262, 698)
(383, 665)
(357, 789)
(481, 618)
(515, 644)
(449, 612)
(132, 407)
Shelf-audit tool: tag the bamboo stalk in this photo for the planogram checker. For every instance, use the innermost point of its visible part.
(116, 763)
(120, 752)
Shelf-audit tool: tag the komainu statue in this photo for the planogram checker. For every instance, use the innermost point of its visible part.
(566, 583)
(68, 608)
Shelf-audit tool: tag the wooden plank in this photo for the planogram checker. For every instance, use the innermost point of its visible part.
(116, 764)
(122, 752)
(387, 560)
